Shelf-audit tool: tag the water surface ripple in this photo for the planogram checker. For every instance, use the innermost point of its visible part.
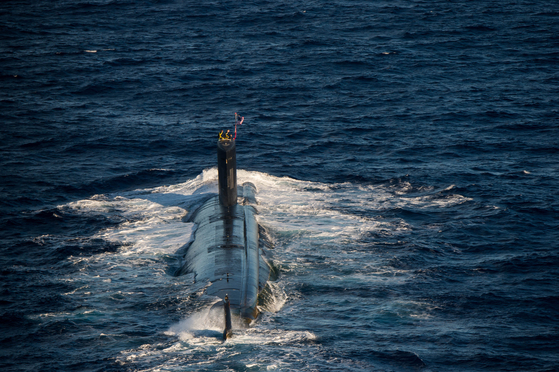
(405, 152)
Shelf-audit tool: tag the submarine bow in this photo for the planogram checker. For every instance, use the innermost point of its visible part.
(225, 251)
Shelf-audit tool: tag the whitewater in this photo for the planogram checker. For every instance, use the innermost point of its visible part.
(317, 232)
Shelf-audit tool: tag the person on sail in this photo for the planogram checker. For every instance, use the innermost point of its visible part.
(227, 136)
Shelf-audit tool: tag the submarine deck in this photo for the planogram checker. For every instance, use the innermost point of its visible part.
(226, 254)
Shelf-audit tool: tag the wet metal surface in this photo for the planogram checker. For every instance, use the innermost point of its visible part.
(226, 254)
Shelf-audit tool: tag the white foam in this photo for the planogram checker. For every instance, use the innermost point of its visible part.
(311, 222)
(198, 324)
(277, 299)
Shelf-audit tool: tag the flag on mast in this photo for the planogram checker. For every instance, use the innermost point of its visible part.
(238, 121)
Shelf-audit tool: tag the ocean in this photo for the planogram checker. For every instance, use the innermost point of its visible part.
(406, 156)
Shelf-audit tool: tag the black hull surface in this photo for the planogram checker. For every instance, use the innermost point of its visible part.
(225, 253)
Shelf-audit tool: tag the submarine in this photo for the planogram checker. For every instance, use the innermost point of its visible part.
(225, 251)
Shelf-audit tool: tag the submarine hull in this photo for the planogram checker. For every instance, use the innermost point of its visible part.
(225, 253)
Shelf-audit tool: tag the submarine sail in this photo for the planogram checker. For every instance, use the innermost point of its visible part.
(225, 252)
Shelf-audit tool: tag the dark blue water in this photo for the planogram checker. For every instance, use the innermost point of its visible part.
(406, 155)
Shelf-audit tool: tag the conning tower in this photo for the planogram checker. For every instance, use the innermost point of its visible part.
(227, 172)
